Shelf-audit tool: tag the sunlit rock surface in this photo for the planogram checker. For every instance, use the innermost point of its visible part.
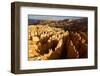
(67, 39)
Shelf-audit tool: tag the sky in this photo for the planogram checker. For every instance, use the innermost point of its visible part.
(51, 17)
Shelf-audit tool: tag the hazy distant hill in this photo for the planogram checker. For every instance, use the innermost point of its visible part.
(33, 21)
(67, 24)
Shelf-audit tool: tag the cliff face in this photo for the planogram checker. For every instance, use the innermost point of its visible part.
(65, 39)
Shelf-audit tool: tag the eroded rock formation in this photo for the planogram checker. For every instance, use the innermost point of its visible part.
(67, 39)
(45, 42)
(76, 45)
